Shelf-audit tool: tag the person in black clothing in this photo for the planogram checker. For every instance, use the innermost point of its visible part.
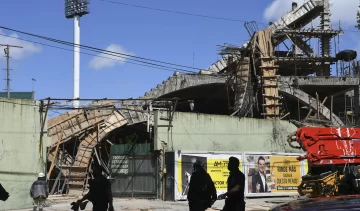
(4, 195)
(259, 184)
(202, 191)
(99, 192)
(39, 191)
(236, 186)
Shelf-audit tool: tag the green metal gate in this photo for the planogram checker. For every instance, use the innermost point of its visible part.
(133, 171)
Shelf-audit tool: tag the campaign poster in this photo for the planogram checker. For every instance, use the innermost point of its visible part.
(216, 165)
(259, 175)
(217, 168)
(285, 172)
(186, 170)
(273, 173)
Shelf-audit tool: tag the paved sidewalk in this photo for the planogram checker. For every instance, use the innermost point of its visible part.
(259, 204)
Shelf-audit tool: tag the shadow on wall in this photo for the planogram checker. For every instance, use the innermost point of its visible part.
(4, 195)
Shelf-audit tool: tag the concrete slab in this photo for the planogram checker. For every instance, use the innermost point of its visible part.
(344, 82)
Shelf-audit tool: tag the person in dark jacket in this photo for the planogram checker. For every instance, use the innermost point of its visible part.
(202, 191)
(4, 195)
(99, 191)
(39, 191)
(236, 187)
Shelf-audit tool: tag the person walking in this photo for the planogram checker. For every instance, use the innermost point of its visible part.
(202, 191)
(99, 191)
(39, 191)
(235, 187)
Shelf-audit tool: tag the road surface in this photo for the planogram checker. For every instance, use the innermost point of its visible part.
(63, 204)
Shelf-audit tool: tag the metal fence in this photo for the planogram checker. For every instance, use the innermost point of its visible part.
(134, 175)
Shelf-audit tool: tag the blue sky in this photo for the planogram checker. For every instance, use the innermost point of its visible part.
(145, 33)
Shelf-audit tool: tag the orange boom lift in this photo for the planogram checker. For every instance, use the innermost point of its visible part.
(333, 155)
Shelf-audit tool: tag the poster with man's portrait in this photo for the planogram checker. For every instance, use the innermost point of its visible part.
(259, 174)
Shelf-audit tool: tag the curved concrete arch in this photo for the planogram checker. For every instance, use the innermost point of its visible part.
(115, 120)
(179, 82)
(89, 127)
(77, 122)
(183, 81)
(309, 100)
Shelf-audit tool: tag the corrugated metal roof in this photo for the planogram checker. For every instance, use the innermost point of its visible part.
(19, 95)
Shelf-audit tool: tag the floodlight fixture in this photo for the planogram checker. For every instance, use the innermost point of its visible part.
(76, 8)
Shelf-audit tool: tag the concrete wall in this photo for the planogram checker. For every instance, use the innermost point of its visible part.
(202, 132)
(19, 150)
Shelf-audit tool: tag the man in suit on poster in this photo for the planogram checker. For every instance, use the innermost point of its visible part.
(259, 184)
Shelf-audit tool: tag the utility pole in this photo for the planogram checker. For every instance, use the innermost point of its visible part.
(7, 55)
(33, 80)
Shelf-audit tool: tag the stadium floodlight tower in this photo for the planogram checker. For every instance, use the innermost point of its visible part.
(75, 9)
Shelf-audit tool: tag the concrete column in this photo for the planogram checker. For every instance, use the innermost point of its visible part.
(325, 40)
(293, 7)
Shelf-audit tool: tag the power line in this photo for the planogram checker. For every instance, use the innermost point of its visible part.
(97, 49)
(89, 54)
(172, 69)
(171, 11)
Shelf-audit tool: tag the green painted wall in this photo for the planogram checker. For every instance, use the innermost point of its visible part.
(205, 132)
(19, 95)
(19, 150)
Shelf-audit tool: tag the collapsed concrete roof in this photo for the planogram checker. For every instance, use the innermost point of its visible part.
(185, 81)
(89, 127)
(294, 19)
(77, 122)
(93, 125)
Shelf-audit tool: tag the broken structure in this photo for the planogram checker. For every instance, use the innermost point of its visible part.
(276, 75)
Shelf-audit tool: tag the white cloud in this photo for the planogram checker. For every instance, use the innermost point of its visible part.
(98, 62)
(345, 12)
(17, 53)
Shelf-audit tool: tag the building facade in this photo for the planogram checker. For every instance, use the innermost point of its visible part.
(21, 154)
